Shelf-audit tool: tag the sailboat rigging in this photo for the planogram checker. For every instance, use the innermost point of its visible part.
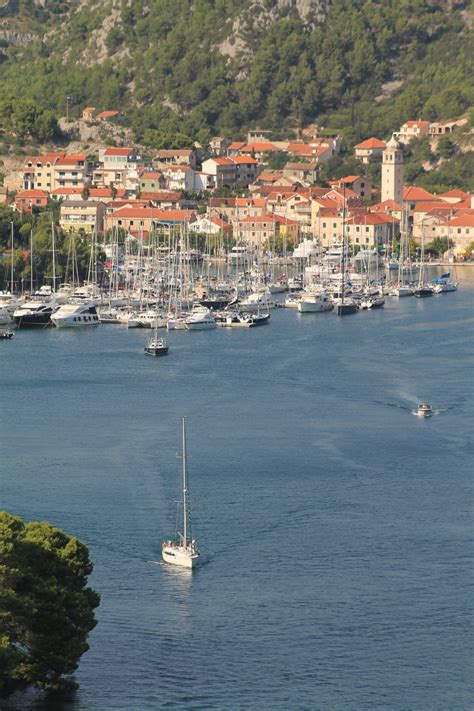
(182, 550)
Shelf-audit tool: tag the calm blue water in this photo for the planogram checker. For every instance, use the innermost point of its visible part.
(337, 527)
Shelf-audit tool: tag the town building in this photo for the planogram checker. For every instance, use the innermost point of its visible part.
(175, 157)
(85, 215)
(26, 200)
(369, 230)
(71, 170)
(370, 148)
(360, 185)
(304, 172)
(413, 129)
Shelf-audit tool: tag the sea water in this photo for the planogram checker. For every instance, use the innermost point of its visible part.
(335, 527)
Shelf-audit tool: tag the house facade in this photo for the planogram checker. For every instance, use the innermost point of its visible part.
(413, 129)
(86, 215)
(370, 148)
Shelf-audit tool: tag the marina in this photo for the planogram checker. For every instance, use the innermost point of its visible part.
(301, 431)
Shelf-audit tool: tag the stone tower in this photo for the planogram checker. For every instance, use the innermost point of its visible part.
(392, 172)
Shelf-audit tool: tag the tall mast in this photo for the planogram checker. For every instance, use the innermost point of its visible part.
(11, 265)
(31, 262)
(54, 255)
(185, 488)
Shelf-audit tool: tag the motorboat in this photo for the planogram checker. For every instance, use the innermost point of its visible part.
(175, 322)
(76, 314)
(402, 290)
(257, 300)
(291, 302)
(316, 302)
(6, 335)
(182, 550)
(151, 319)
(424, 410)
(240, 319)
(239, 254)
(200, 319)
(37, 311)
(156, 347)
(370, 302)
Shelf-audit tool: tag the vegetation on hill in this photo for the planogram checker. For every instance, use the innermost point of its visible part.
(225, 65)
(46, 608)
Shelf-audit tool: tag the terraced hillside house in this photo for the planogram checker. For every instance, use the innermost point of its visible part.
(38, 172)
(370, 148)
(184, 156)
(72, 170)
(413, 129)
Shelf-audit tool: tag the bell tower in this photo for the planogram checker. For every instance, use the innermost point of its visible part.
(392, 172)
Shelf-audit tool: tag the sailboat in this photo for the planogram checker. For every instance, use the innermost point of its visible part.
(156, 346)
(182, 550)
(343, 305)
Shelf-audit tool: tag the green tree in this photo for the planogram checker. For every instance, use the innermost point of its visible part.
(46, 608)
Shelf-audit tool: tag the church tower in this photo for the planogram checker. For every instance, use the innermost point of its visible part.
(392, 172)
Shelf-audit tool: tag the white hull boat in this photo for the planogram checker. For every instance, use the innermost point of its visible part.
(314, 303)
(75, 315)
(182, 550)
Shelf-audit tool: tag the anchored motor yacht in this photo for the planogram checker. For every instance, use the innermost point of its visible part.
(75, 314)
(37, 311)
(315, 302)
(200, 319)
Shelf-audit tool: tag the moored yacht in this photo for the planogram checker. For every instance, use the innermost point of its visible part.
(200, 319)
(314, 302)
(75, 314)
(35, 312)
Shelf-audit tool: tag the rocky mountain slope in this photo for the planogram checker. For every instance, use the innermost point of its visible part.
(201, 67)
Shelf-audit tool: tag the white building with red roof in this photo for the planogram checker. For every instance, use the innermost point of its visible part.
(72, 170)
(370, 148)
(413, 129)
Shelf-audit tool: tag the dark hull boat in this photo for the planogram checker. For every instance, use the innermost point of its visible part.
(156, 347)
(423, 291)
(347, 307)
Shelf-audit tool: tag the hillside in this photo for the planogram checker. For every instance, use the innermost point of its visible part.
(204, 67)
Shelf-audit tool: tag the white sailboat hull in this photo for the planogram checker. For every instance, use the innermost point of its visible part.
(178, 555)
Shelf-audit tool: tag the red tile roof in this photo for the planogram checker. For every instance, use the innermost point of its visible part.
(72, 159)
(455, 194)
(32, 194)
(263, 147)
(107, 114)
(411, 124)
(412, 193)
(246, 160)
(118, 151)
(386, 206)
(462, 221)
(371, 143)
